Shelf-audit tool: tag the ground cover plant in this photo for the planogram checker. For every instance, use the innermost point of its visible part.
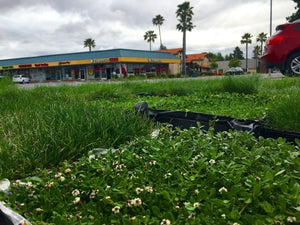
(54, 128)
(171, 176)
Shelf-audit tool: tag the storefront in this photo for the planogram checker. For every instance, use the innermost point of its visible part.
(90, 65)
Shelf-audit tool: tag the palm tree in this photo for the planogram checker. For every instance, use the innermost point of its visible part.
(158, 21)
(256, 53)
(262, 38)
(246, 39)
(89, 42)
(150, 36)
(184, 14)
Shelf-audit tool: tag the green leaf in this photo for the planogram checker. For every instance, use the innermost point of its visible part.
(280, 172)
(156, 211)
(34, 179)
(267, 207)
(234, 214)
(2, 196)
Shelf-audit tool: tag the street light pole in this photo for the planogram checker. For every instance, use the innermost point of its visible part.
(270, 29)
(270, 18)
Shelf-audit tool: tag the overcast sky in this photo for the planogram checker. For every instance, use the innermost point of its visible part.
(43, 27)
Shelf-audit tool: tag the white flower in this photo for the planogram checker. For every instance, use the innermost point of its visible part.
(196, 205)
(93, 194)
(16, 183)
(222, 189)
(23, 222)
(212, 161)
(168, 175)
(51, 184)
(291, 219)
(186, 203)
(149, 189)
(116, 209)
(29, 185)
(152, 162)
(191, 215)
(139, 190)
(62, 178)
(57, 175)
(236, 224)
(165, 222)
(223, 216)
(155, 133)
(298, 208)
(132, 219)
(108, 198)
(68, 170)
(39, 210)
(135, 202)
(196, 191)
(75, 192)
(76, 200)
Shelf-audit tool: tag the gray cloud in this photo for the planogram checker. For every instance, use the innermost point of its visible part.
(30, 27)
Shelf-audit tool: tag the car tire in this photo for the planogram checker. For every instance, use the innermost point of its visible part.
(293, 65)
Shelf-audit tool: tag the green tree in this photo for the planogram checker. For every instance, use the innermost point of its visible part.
(158, 20)
(150, 37)
(238, 53)
(214, 65)
(184, 14)
(262, 38)
(89, 42)
(235, 63)
(246, 39)
(216, 57)
(256, 51)
(296, 15)
(229, 56)
(256, 54)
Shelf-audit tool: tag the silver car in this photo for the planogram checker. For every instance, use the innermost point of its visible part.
(21, 79)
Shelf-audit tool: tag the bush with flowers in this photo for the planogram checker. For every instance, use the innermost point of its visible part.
(170, 177)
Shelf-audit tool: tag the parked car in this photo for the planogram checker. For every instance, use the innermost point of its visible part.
(283, 49)
(234, 71)
(21, 79)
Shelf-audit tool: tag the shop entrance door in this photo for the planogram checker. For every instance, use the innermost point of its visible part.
(82, 74)
(58, 74)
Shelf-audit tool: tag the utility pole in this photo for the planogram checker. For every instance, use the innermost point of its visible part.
(270, 28)
(270, 18)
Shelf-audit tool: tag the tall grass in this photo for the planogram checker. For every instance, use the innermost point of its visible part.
(245, 85)
(284, 111)
(45, 125)
(41, 127)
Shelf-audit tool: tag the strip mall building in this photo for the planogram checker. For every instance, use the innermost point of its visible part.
(90, 65)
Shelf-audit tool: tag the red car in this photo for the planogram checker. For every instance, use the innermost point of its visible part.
(283, 49)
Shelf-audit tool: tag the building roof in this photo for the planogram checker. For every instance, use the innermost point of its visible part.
(112, 53)
(195, 57)
(173, 51)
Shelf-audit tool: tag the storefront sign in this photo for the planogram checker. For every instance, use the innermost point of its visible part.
(41, 64)
(154, 60)
(25, 66)
(114, 59)
(64, 63)
(99, 60)
(7, 67)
